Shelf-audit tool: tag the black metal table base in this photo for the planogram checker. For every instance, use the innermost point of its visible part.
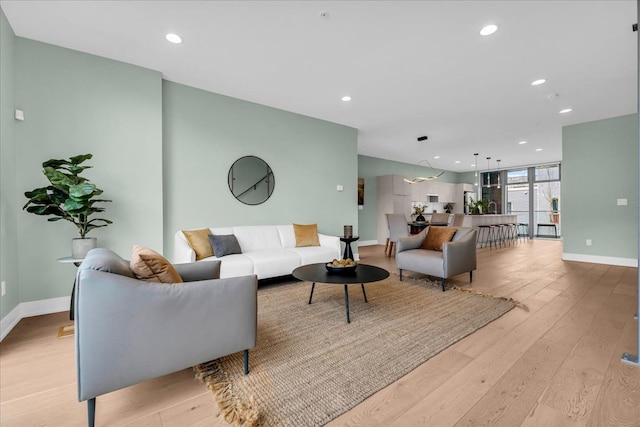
(346, 297)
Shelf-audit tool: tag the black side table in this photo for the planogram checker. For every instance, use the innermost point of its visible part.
(76, 262)
(348, 253)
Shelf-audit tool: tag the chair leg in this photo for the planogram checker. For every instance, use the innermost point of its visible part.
(386, 245)
(91, 412)
(443, 284)
(471, 276)
(400, 274)
(245, 357)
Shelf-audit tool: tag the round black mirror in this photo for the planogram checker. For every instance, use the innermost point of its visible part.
(251, 180)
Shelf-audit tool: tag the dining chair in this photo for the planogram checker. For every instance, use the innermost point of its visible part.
(458, 219)
(439, 219)
(398, 227)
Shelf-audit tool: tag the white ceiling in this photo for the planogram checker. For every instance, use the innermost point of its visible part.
(412, 68)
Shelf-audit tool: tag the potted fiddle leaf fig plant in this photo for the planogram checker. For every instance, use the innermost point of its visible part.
(69, 197)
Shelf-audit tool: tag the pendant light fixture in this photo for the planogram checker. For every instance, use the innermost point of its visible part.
(476, 165)
(498, 172)
(422, 178)
(488, 173)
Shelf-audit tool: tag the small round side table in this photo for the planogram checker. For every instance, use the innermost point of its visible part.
(348, 253)
(76, 262)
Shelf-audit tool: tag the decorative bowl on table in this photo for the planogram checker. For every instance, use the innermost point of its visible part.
(341, 266)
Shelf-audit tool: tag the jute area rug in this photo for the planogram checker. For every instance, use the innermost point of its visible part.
(310, 366)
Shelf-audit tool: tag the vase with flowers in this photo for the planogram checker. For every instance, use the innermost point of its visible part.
(418, 210)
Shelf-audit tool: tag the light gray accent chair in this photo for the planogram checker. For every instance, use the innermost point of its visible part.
(128, 330)
(457, 256)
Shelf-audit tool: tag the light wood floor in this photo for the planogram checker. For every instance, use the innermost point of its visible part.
(557, 364)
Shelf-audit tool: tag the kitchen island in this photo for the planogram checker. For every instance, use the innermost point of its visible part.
(480, 223)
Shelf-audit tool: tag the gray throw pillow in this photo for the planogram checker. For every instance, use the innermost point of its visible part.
(224, 244)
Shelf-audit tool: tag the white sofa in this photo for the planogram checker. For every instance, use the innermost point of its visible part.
(267, 251)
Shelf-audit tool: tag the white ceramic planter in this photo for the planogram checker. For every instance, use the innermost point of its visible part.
(80, 247)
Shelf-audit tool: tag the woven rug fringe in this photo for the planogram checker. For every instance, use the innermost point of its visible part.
(233, 410)
(473, 292)
(469, 291)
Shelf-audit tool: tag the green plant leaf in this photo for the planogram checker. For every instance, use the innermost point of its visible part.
(55, 163)
(76, 160)
(57, 178)
(82, 190)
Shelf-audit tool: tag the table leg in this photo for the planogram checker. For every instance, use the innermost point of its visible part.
(363, 292)
(346, 302)
(348, 253)
(73, 297)
(313, 285)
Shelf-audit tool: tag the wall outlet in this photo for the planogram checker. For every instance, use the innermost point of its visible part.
(588, 242)
(339, 187)
(3, 288)
(621, 202)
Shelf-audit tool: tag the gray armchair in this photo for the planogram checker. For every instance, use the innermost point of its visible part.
(128, 330)
(457, 256)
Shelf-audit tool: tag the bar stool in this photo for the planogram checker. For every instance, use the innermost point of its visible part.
(525, 230)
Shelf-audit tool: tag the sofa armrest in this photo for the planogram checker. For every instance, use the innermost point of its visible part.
(182, 252)
(330, 242)
(194, 271)
(460, 255)
(128, 330)
(411, 242)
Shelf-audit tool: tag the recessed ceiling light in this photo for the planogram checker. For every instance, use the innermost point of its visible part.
(522, 142)
(538, 82)
(436, 157)
(538, 149)
(173, 38)
(473, 166)
(566, 110)
(457, 161)
(346, 98)
(488, 30)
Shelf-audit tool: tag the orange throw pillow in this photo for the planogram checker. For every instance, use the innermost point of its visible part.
(199, 242)
(306, 235)
(436, 236)
(147, 264)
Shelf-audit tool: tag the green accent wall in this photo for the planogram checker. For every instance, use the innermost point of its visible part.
(599, 166)
(8, 194)
(370, 168)
(76, 103)
(162, 152)
(205, 133)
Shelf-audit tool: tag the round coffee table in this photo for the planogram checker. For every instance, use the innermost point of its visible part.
(318, 273)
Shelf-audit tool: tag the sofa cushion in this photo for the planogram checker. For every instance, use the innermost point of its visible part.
(257, 237)
(314, 254)
(273, 263)
(225, 244)
(147, 264)
(436, 236)
(306, 235)
(199, 242)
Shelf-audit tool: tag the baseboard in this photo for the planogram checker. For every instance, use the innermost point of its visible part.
(597, 259)
(368, 243)
(32, 308)
(9, 321)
